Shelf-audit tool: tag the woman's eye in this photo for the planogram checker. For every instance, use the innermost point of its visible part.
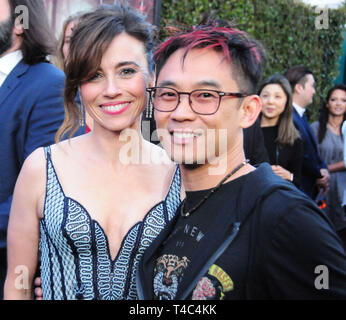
(96, 76)
(127, 72)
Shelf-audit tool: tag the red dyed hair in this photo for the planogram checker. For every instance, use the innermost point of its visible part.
(244, 54)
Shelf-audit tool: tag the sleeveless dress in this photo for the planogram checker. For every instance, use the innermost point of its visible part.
(75, 257)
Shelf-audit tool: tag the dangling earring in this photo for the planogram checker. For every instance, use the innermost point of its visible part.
(81, 116)
(149, 110)
(81, 113)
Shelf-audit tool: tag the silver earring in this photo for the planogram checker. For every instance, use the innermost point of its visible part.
(149, 110)
(81, 116)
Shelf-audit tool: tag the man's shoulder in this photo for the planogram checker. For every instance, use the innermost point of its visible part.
(274, 196)
(46, 69)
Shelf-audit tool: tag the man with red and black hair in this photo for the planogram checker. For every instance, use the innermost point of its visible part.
(241, 232)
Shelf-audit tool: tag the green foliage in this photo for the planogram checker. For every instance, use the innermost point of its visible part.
(286, 28)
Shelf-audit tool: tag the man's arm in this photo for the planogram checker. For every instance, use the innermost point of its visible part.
(305, 258)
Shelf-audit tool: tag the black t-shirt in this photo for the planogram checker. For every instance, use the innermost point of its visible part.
(184, 241)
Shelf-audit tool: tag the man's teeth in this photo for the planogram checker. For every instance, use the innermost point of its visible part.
(118, 107)
(184, 135)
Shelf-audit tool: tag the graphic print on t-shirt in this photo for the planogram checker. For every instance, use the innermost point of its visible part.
(214, 285)
(168, 272)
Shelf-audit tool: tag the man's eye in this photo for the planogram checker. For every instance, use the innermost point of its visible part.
(167, 94)
(206, 95)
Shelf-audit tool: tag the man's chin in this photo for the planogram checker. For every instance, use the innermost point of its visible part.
(193, 166)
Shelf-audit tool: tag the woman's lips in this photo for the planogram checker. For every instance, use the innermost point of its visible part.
(115, 109)
(270, 110)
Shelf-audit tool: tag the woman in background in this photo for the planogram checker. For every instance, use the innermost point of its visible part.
(330, 144)
(282, 139)
(86, 122)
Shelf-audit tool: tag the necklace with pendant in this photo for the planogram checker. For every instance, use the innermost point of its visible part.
(212, 191)
(334, 127)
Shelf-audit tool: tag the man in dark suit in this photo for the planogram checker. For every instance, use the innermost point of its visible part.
(315, 175)
(31, 100)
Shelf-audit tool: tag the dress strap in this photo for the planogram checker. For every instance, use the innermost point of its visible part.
(53, 187)
(47, 152)
(173, 196)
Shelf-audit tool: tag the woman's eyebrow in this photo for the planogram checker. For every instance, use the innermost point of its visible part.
(126, 63)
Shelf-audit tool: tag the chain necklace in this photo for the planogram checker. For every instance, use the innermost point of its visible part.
(212, 191)
(335, 127)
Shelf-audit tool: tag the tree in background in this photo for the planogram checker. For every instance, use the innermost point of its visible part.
(291, 31)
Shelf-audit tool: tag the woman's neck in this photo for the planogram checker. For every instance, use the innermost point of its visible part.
(335, 121)
(119, 148)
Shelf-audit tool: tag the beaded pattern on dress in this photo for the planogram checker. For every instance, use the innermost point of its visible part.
(75, 258)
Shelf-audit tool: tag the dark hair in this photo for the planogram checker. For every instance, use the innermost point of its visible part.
(91, 38)
(244, 54)
(38, 39)
(287, 133)
(297, 74)
(324, 113)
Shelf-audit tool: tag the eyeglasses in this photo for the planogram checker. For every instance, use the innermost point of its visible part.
(202, 101)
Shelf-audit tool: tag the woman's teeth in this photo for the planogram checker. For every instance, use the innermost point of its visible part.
(114, 108)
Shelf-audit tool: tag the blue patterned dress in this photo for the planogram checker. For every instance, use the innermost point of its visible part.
(75, 257)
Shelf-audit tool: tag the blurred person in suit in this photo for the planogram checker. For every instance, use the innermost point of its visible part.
(315, 174)
(31, 101)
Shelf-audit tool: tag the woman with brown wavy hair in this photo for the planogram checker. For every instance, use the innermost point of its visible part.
(282, 139)
(94, 203)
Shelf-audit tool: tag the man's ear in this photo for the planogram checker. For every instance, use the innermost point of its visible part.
(251, 108)
(298, 88)
(18, 28)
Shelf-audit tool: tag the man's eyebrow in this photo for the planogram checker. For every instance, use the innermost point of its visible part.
(167, 83)
(209, 83)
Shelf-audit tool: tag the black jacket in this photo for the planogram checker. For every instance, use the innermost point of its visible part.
(274, 235)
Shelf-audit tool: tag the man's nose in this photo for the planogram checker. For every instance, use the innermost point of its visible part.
(183, 111)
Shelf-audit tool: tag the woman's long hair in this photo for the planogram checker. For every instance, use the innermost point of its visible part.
(287, 133)
(91, 38)
(324, 114)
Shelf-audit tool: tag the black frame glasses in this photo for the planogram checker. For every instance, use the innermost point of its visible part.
(221, 94)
